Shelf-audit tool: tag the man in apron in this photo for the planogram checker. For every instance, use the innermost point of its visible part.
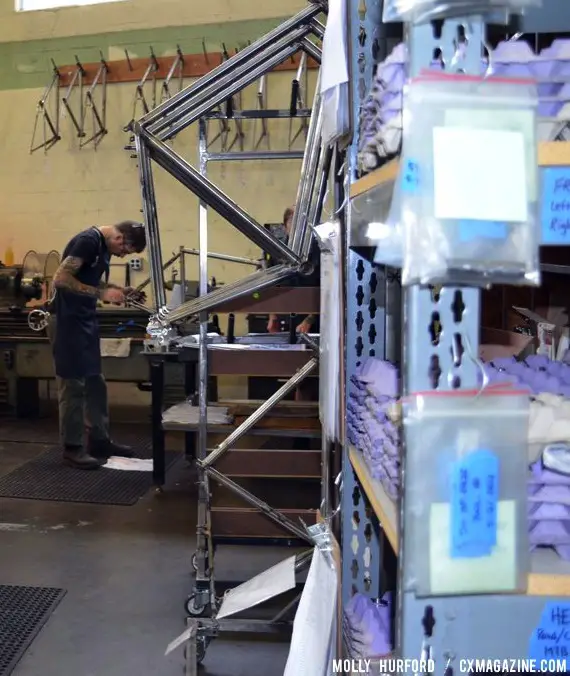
(80, 281)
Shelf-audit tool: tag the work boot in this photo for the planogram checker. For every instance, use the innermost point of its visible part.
(79, 458)
(105, 448)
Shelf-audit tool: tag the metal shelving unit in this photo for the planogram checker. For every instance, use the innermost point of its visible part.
(466, 627)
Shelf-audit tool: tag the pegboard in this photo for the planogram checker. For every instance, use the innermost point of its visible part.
(366, 298)
(362, 542)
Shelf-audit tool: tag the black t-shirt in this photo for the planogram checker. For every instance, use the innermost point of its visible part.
(89, 246)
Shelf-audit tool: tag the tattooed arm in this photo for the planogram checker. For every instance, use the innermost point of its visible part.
(65, 278)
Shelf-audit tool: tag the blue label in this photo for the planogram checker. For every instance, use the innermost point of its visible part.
(474, 500)
(555, 211)
(410, 177)
(469, 230)
(551, 638)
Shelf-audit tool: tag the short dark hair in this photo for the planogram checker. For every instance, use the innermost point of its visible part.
(134, 235)
(288, 215)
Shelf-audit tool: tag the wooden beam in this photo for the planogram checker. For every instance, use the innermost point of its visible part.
(276, 300)
(262, 363)
(251, 523)
(195, 65)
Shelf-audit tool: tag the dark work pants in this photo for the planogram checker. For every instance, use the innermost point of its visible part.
(83, 402)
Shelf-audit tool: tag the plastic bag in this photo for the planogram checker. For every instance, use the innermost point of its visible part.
(469, 181)
(328, 237)
(423, 11)
(336, 118)
(466, 491)
(334, 77)
(388, 235)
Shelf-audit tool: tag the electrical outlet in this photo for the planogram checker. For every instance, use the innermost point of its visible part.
(136, 264)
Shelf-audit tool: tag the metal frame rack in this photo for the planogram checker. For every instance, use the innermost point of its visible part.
(444, 628)
(195, 104)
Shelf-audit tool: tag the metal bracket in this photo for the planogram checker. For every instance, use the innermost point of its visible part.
(50, 121)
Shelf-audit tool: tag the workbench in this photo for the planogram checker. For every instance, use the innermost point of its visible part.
(27, 356)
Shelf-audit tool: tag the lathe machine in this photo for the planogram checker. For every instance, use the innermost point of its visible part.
(25, 352)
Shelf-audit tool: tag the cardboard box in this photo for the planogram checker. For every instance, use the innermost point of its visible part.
(547, 325)
(496, 343)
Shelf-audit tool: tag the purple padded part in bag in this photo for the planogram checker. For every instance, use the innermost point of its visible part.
(547, 511)
(545, 493)
(563, 552)
(549, 532)
(541, 475)
(354, 609)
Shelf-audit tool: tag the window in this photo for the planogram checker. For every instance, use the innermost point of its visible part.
(33, 5)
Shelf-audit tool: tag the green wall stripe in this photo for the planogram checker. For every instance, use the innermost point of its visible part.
(26, 65)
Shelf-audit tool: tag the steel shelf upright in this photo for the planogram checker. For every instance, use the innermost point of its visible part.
(370, 292)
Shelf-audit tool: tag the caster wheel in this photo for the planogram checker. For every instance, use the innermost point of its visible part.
(192, 608)
(201, 648)
(159, 490)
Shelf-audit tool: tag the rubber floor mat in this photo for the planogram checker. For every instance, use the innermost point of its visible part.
(47, 432)
(23, 613)
(45, 477)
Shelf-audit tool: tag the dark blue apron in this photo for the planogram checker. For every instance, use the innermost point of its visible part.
(77, 347)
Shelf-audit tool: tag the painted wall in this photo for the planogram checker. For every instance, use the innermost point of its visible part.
(129, 15)
(45, 199)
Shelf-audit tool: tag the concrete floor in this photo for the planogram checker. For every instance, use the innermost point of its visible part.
(127, 574)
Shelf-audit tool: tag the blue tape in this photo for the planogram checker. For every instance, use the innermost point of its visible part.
(555, 210)
(410, 177)
(551, 638)
(474, 502)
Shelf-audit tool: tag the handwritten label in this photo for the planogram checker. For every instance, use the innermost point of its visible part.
(410, 177)
(556, 205)
(474, 500)
(469, 230)
(551, 638)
